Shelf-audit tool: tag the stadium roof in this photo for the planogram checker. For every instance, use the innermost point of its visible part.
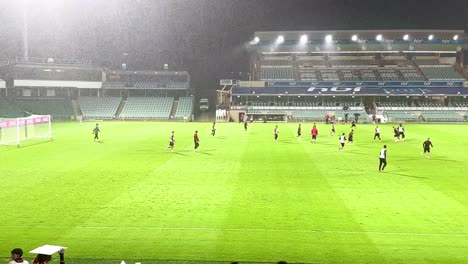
(360, 41)
(362, 34)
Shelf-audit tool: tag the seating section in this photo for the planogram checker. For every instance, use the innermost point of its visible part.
(412, 75)
(271, 74)
(184, 107)
(113, 85)
(10, 110)
(329, 75)
(441, 74)
(57, 108)
(147, 108)
(99, 107)
(389, 75)
(442, 116)
(404, 116)
(348, 68)
(279, 68)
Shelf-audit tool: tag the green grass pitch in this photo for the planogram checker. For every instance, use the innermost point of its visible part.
(241, 197)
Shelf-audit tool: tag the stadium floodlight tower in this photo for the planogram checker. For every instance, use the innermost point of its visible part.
(13, 131)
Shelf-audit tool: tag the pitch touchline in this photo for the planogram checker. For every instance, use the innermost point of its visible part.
(253, 230)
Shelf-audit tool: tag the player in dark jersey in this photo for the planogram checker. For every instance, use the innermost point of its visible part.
(196, 140)
(299, 131)
(396, 134)
(353, 124)
(213, 129)
(427, 148)
(401, 132)
(351, 136)
(96, 131)
(245, 126)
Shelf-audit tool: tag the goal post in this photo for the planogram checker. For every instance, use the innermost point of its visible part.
(13, 131)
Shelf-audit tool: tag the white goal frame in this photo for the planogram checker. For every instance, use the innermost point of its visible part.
(23, 129)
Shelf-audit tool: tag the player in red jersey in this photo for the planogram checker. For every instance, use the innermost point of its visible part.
(314, 133)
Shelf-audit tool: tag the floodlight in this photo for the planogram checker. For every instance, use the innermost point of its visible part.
(256, 40)
(303, 39)
(280, 39)
(328, 38)
(354, 38)
(455, 37)
(406, 37)
(379, 37)
(430, 37)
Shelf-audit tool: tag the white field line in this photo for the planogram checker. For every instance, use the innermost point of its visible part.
(205, 229)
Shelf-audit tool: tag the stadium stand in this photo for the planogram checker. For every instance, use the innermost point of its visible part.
(57, 108)
(99, 107)
(184, 107)
(441, 74)
(10, 109)
(147, 108)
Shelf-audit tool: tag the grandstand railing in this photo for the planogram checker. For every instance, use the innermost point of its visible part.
(35, 60)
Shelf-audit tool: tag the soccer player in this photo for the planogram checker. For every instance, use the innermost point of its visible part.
(396, 134)
(96, 131)
(377, 133)
(353, 124)
(171, 142)
(427, 148)
(383, 158)
(299, 131)
(342, 141)
(276, 132)
(332, 128)
(213, 129)
(351, 136)
(245, 126)
(401, 132)
(196, 140)
(314, 133)
(17, 257)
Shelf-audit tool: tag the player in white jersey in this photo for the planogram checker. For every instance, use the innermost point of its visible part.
(377, 133)
(342, 141)
(383, 158)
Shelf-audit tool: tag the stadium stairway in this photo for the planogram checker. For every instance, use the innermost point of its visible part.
(121, 107)
(174, 108)
(76, 108)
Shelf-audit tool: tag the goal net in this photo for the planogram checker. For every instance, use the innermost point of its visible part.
(13, 131)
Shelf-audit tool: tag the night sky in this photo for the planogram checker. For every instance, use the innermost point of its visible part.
(204, 37)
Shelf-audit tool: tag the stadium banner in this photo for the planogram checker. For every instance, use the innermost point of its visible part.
(2, 84)
(351, 90)
(51, 83)
(225, 82)
(347, 84)
(252, 83)
(4, 123)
